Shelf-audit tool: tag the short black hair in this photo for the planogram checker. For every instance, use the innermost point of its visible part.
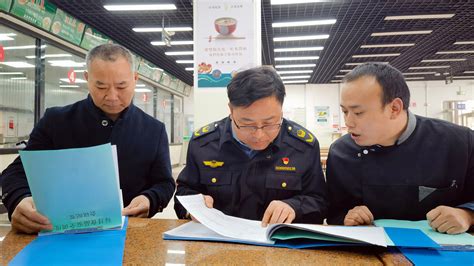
(254, 84)
(390, 79)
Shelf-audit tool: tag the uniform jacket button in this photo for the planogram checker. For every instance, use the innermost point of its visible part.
(214, 180)
(105, 122)
(365, 151)
(283, 185)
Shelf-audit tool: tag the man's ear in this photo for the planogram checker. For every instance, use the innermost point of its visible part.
(396, 108)
(86, 76)
(231, 110)
(135, 76)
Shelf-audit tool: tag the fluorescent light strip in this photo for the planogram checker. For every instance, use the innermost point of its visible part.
(138, 7)
(295, 81)
(295, 72)
(22, 47)
(414, 78)
(456, 52)
(429, 67)
(180, 53)
(339, 76)
(296, 77)
(336, 80)
(463, 77)
(296, 58)
(155, 29)
(463, 42)
(286, 2)
(345, 70)
(301, 38)
(374, 55)
(69, 86)
(429, 16)
(299, 49)
(11, 73)
(49, 56)
(140, 85)
(419, 73)
(394, 33)
(19, 78)
(159, 43)
(76, 81)
(358, 64)
(189, 69)
(468, 72)
(185, 61)
(80, 71)
(304, 23)
(18, 64)
(387, 45)
(295, 66)
(142, 90)
(443, 60)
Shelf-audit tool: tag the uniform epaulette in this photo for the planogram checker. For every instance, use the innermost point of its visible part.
(205, 130)
(301, 133)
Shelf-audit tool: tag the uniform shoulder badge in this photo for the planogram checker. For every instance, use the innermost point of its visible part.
(301, 133)
(205, 130)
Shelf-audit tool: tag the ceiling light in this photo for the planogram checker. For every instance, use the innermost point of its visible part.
(138, 7)
(180, 53)
(22, 47)
(19, 78)
(49, 56)
(140, 85)
(286, 2)
(295, 66)
(443, 60)
(296, 77)
(301, 38)
(345, 70)
(66, 63)
(295, 72)
(386, 45)
(159, 43)
(464, 42)
(299, 49)
(419, 73)
(18, 64)
(463, 77)
(358, 64)
(295, 81)
(339, 76)
(185, 61)
(374, 55)
(428, 67)
(414, 78)
(296, 58)
(456, 52)
(76, 81)
(155, 29)
(80, 71)
(336, 80)
(69, 86)
(11, 73)
(7, 36)
(189, 69)
(468, 72)
(393, 33)
(304, 23)
(142, 90)
(430, 16)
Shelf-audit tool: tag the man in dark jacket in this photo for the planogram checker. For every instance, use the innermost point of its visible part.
(394, 164)
(255, 164)
(107, 115)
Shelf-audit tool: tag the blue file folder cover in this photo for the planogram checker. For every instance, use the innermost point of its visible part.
(438, 257)
(96, 248)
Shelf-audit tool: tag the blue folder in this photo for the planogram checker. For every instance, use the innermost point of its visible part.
(96, 248)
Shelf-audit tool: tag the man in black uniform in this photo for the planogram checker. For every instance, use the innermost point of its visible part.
(255, 164)
(394, 164)
(107, 115)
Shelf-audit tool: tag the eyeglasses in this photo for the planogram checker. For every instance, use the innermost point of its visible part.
(253, 129)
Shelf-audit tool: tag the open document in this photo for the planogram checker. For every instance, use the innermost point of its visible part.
(216, 226)
(77, 189)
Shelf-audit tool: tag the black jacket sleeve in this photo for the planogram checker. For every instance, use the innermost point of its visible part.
(162, 182)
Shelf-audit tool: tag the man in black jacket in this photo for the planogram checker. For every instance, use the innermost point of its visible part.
(107, 115)
(255, 164)
(394, 164)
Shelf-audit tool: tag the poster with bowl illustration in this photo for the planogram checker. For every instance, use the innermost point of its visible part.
(223, 41)
(67, 27)
(38, 13)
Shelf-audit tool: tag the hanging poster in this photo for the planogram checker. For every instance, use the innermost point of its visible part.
(321, 115)
(224, 37)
